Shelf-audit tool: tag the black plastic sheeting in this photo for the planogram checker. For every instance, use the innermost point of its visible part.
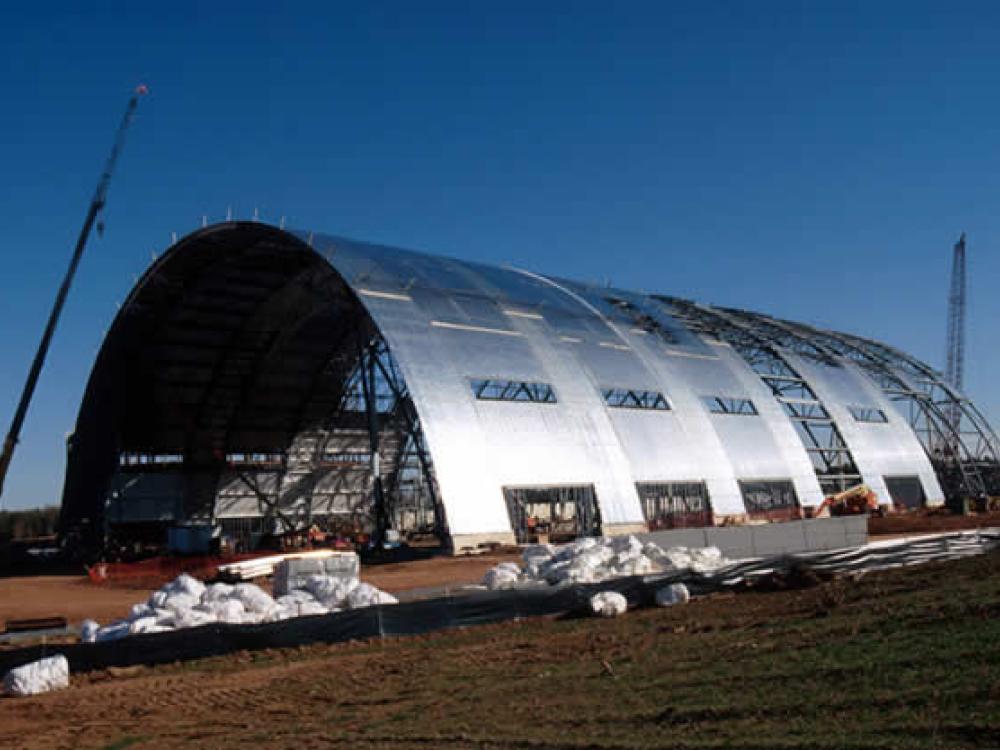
(478, 607)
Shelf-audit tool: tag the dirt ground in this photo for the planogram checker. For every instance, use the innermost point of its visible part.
(76, 598)
(900, 659)
(919, 523)
(437, 571)
(72, 597)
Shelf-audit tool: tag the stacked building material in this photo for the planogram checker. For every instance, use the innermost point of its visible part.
(294, 572)
(261, 567)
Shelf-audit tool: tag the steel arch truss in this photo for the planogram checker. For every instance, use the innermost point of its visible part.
(821, 438)
(365, 466)
(961, 446)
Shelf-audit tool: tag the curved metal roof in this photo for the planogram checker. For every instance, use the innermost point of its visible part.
(224, 297)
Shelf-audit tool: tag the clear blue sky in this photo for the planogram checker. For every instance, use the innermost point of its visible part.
(814, 161)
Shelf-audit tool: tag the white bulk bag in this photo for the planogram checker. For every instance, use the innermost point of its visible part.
(39, 676)
(675, 593)
(88, 631)
(608, 604)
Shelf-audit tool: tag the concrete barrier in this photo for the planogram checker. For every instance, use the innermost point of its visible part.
(769, 539)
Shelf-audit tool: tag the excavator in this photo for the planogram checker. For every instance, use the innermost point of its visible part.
(855, 501)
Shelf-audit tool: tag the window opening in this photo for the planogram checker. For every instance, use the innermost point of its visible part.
(559, 513)
(729, 405)
(674, 505)
(512, 390)
(771, 499)
(906, 491)
(626, 398)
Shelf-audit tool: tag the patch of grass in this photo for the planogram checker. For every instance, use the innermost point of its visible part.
(907, 658)
(899, 659)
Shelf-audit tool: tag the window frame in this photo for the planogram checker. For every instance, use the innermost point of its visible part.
(738, 406)
(512, 391)
(634, 398)
(772, 510)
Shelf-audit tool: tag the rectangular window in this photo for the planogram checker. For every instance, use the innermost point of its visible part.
(729, 405)
(906, 491)
(770, 499)
(805, 410)
(626, 398)
(868, 414)
(488, 389)
(674, 505)
(557, 513)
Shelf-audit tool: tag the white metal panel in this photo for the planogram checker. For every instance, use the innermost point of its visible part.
(463, 321)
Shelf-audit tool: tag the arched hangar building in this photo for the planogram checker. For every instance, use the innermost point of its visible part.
(259, 379)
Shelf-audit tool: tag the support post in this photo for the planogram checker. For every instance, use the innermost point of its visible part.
(367, 355)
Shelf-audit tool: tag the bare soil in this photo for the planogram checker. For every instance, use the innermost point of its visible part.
(77, 598)
(928, 523)
(72, 597)
(437, 571)
(901, 659)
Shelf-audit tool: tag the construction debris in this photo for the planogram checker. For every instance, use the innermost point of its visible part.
(187, 602)
(595, 559)
(40, 676)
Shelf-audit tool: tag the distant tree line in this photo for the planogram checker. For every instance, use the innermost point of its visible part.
(25, 524)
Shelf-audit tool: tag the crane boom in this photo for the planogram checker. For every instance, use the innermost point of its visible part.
(955, 354)
(96, 205)
(956, 318)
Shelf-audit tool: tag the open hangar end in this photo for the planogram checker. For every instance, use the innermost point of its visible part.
(258, 382)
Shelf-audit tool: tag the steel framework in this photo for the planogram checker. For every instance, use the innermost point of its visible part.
(391, 474)
(959, 442)
(956, 319)
(258, 377)
(754, 340)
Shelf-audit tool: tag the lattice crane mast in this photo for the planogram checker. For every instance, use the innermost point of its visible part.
(96, 206)
(955, 355)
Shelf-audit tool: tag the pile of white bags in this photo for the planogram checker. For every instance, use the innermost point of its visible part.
(186, 603)
(595, 559)
(39, 676)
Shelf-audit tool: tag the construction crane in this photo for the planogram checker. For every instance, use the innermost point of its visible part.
(956, 318)
(955, 354)
(96, 206)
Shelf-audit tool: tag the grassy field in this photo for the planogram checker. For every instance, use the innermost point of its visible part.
(902, 659)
